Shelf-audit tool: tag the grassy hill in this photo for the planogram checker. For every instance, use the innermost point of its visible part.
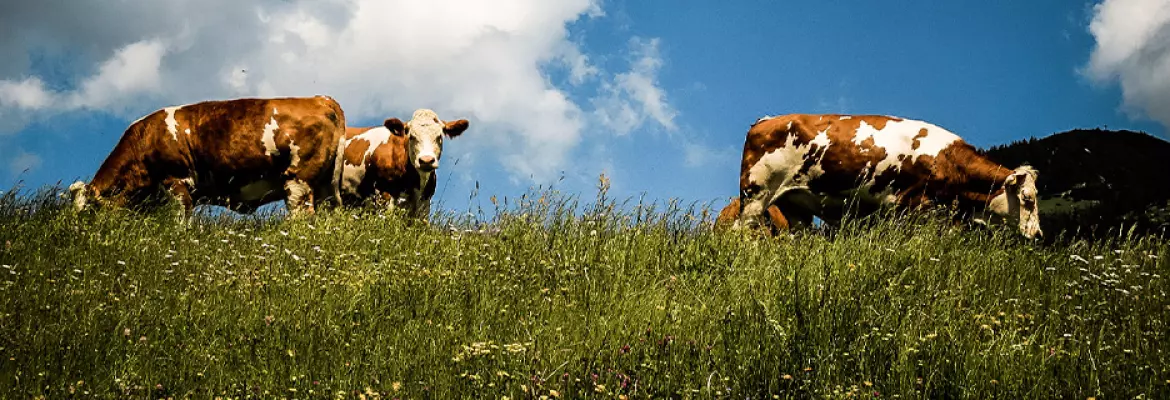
(554, 298)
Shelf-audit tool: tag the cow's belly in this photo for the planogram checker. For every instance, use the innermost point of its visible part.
(258, 191)
(251, 196)
(832, 207)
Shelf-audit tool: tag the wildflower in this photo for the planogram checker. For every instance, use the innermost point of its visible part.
(554, 393)
(1075, 257)
(126, 332)
(395, 386)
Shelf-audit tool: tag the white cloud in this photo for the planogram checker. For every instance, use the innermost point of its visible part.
(1133, 48)
(634, 96)
(28, 93)
(477, 60)
(132, 70)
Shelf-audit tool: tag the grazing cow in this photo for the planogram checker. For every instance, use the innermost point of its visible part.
(394, 164)
(830, 165)
(239, 154)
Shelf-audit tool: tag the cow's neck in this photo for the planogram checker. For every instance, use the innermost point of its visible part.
(418, 182)
(970, 177)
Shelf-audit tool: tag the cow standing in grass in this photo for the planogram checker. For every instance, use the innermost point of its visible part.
(240, 154)
(395, 164)
(830, 165)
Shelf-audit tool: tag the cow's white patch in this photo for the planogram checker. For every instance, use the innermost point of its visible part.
(187, 131)
(788, 127)
(294, 152)
(377, 137)
(269, 137)
(775, 173)
(822, 141)
(845, 117)
(353, 174)
(897, 139)
(172, 124)
(762, 119)
(77, 189)
(274, 112)
(256, 190)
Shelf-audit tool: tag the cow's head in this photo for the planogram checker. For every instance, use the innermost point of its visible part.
(77, 191)
(1019, 202)
(424, 134)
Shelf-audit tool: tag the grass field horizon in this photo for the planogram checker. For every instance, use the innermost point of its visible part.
(547, 295)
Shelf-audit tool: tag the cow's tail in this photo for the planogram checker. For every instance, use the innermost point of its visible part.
(77, 190)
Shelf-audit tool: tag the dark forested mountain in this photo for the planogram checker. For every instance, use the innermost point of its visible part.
(1093, 180)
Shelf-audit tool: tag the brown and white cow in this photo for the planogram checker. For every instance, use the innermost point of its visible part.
(394, 164)
(829, 165)
(239, 154)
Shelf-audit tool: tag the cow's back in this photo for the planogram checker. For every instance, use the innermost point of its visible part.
(841, 154)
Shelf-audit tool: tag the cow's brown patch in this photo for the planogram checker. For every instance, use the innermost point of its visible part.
(918, 139)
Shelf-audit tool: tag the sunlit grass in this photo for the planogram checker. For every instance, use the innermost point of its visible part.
(552, 297)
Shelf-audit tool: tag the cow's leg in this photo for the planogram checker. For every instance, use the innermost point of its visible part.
(421, 210)
(180, 190)
(778, 220)
(298, 197)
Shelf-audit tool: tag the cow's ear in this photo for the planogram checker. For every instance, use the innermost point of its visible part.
(395, 126)
(455, 128)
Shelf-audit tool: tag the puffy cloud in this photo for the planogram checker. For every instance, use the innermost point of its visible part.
(1133, 48)
(634, 96)
(478, 60)
(28, 93)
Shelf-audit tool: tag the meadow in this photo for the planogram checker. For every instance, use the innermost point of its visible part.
(549, 295)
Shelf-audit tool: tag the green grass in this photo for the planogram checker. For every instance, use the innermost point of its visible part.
(551, 297)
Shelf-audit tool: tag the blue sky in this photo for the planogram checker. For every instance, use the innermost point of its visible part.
(657, 94)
